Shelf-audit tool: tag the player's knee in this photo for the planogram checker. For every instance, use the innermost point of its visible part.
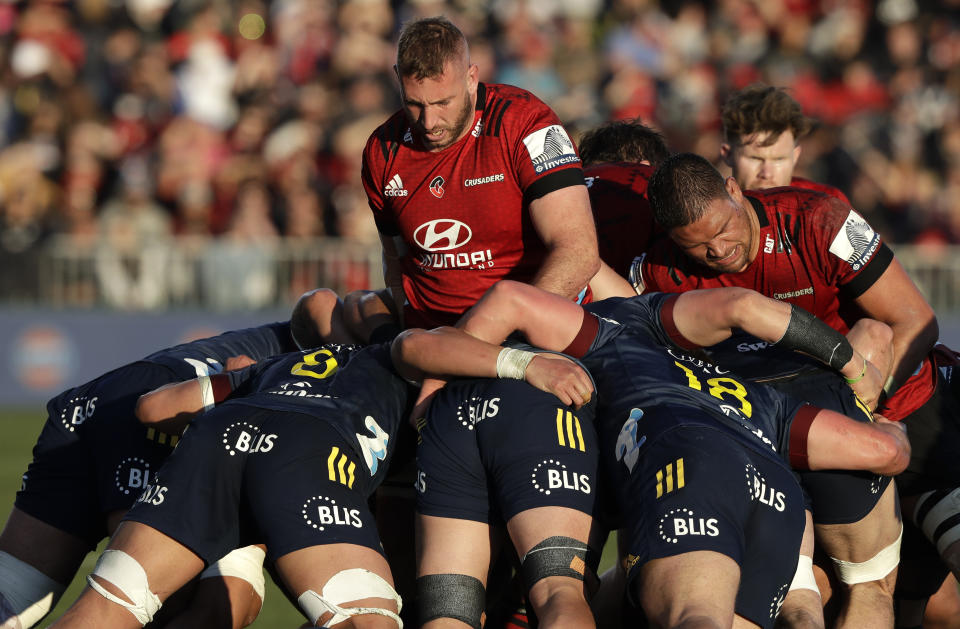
(354, 584)
(246, 564)
(457, 596)
(559, 556)
(26, 594)
(876, 569)
(126, 574)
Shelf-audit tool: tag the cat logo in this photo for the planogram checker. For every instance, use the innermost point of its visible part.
(337, 469)
(668, 479)
(568, 430)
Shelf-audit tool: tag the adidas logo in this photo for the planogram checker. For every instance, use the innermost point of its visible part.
(395, 188)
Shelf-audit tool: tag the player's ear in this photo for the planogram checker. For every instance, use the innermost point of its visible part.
(473, 78)
(796, 154)
(726, 153)
(733, 189)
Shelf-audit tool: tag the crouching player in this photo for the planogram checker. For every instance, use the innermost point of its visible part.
(500, 450)
(698, 456)
(90, 463)
(289, 458)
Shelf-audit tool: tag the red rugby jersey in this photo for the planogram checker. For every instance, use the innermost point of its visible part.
(800, 182)
(815, 252)
(463, 211)
(625, 225)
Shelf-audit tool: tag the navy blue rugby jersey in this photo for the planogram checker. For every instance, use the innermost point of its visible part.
(638, 365)
(206, 356)
(354, 388)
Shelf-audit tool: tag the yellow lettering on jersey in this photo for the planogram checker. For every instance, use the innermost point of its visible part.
(329, 364)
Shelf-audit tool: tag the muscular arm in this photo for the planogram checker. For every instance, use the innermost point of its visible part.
(392, 277)
(171, 407)
(895, 300)
(835, 441)
(706, 317)
(609, 283)
(564, 222)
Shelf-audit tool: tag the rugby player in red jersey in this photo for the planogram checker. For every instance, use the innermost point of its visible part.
(818, 253)
(762, 129)
(618, 158)
(470, 183)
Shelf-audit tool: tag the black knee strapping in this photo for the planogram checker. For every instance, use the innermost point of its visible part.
(457, 596)
(558, 556)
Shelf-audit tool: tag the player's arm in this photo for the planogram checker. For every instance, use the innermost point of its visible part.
(821, 439)
(171, 407)
(609, 283)
(392, 249)
(564, 222)
(707, 317)
(448, 351)
(895, 300)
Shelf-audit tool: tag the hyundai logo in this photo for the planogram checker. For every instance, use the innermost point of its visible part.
(442, 234)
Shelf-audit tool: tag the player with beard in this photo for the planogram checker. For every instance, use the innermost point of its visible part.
(472, 182)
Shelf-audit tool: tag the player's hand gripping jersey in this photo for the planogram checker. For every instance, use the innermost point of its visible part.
(462, 211)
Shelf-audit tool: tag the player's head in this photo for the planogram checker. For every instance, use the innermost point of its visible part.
(705, 214)
(438, 84)
(762, 126)
(623, 141)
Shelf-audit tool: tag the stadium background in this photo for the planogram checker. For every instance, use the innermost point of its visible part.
(169, 170)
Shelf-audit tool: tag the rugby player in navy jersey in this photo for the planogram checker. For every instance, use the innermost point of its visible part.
(286, 452)
(762, 128)
(689, 442)
(815, 251)
(93, 459)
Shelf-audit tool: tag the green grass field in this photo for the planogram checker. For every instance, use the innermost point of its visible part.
(20, 428)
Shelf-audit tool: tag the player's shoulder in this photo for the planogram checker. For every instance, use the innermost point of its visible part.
(387, 138)
(507, 106)
(806, 184)
(803, 202)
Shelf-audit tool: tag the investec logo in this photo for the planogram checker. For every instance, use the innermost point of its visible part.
(444, 234)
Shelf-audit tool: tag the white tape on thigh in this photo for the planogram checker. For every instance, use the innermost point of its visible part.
(125, 573)
(945, 508)
(26, 594)
(804, 579)
(206, 391)
(243, 563)
(873, 569)
(349, 585)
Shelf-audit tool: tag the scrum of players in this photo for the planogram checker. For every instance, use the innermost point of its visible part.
(724, 371)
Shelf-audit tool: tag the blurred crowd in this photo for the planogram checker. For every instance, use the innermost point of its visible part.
(138, 120)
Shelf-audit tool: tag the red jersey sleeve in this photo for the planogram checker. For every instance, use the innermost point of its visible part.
(544, 157)
(851, 253)
(381, 146)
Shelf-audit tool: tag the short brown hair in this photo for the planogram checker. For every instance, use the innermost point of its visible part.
(622, 141)
(761, 108)
(681, 189)
(426, 45)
